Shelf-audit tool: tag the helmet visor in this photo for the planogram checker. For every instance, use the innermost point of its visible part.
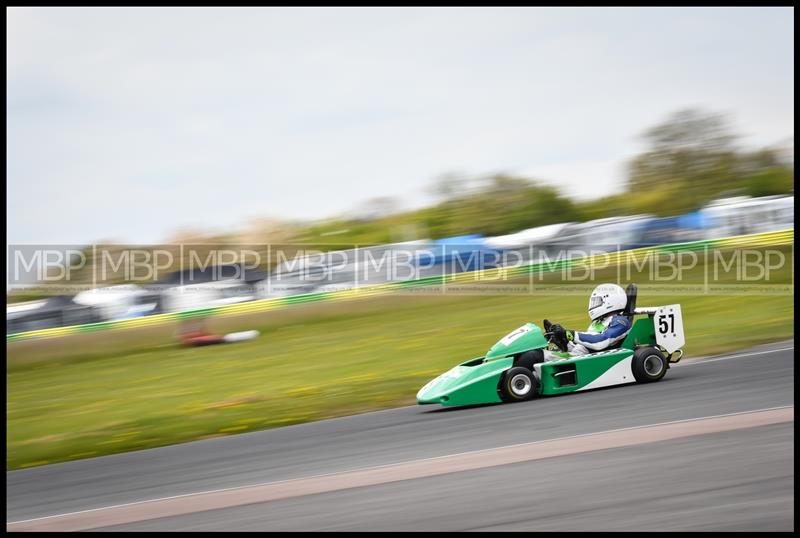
(594, 302)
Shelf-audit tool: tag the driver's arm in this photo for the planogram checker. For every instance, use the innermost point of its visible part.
(615, 331)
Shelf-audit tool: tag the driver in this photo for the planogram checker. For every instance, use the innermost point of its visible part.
(609, 326)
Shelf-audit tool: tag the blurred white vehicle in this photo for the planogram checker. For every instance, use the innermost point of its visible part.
(209, 287)
(603, 235)
(541, 235)
(56, 311)
(206, 295)
(118, 302)
(17, 309)
(742, 215)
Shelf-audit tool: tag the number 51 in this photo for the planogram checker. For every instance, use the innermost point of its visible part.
(663, 326)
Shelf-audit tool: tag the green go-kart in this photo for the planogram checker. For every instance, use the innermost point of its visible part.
(514, 369)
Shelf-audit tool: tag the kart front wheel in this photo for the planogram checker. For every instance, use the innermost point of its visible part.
(517, 385)
(648, 364)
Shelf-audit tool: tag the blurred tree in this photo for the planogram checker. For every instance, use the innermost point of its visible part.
(691, 158)
(260, 230)
(773, 180)
(448, 186)
(376, 208)
(497, 204)
(691, 154)
(692, 130)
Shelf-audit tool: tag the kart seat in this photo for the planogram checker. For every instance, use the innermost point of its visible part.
(630, 306)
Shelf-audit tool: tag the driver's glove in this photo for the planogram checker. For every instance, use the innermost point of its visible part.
(558, 337)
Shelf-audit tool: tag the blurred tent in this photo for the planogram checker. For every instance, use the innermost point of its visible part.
(459, 253)
(680, 229)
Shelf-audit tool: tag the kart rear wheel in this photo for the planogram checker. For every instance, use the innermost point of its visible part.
(517, 385)
(648, 365)
(529, 358)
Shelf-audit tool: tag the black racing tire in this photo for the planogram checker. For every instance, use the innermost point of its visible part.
(529, 358)
(518, 384)
(648, 364)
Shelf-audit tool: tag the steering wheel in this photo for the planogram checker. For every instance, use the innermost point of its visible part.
(556, 334)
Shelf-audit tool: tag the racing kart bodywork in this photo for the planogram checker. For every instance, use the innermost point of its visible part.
(514, 368)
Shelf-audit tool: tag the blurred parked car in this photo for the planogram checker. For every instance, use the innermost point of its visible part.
(743, 215)
(600, 235)
(119, 302)
(57, 311)
(208, 287)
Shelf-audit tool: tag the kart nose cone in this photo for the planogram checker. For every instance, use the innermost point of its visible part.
(430, 395)
(432, 400)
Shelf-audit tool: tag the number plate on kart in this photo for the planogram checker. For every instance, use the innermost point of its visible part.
(668, 323)
(513, 335)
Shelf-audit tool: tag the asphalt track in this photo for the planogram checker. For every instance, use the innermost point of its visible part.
(739, 477)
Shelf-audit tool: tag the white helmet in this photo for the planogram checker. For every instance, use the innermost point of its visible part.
(606, 298)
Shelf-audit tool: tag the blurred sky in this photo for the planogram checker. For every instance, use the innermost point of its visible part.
(128, 124)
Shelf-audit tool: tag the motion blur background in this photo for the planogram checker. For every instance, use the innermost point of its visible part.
(449, 137)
